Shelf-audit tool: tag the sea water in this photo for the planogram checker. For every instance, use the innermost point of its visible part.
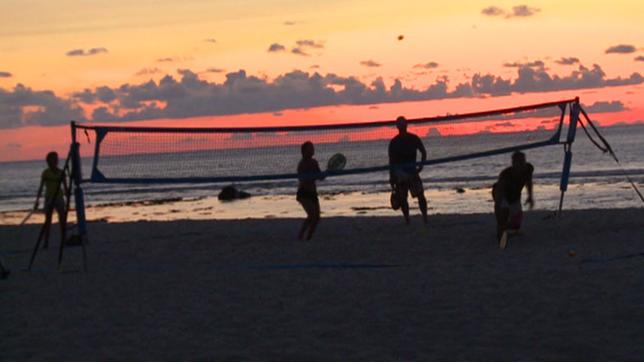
(603, 179)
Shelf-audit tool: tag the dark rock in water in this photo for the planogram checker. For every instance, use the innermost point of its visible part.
(230, 193)
(460, 190)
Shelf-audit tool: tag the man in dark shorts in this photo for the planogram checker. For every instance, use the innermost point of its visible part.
(507, 194)
(403, 172)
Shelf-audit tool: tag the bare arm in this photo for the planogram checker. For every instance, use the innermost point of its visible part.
(423, 155)
(321, 175)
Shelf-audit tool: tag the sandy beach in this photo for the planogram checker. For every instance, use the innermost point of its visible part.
(190, 139)
(365, 289)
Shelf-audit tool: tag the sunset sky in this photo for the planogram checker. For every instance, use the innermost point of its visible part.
(284, 62)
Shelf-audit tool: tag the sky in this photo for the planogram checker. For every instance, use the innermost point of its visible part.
(281, 62)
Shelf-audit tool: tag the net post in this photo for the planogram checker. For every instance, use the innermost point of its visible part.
(77, 177)
(570, 138)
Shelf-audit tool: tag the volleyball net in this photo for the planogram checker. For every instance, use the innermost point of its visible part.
(152, 155)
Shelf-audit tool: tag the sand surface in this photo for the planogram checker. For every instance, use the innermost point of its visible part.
(365, 289)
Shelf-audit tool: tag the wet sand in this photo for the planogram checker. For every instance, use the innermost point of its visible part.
(455, 200)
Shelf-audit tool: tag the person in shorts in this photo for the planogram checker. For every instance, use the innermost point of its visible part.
(53, 181)
(309, 172)
(506, 193)
(404, 173)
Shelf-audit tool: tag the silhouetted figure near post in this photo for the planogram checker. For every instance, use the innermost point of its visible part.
(507, 194)
(52, 179)
(308, 171)
(404, 175)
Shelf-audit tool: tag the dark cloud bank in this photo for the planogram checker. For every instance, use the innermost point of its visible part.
(301, 47)
(621, 49)
(430, 65)
(370, 63)
(276, 47)
(520, 11)
(567, 61)
(190, 96)
(85, 53)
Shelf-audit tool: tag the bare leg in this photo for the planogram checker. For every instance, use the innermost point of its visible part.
(305, 225)
(315, 219)
(46, 227)
(502, 215)
(404, 207)
(422, 204)
(312, 208)
(314, 223)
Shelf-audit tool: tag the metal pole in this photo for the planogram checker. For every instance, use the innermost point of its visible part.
(570, 138)
(565, 174)
(77, 177)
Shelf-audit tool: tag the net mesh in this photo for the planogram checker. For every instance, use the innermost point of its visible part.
(158, 155)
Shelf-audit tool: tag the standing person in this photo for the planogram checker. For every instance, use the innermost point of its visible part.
(308, 171)
(507, 194)
(404, 175)
(52, 179)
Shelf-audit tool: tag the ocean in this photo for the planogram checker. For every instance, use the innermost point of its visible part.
(19, 180)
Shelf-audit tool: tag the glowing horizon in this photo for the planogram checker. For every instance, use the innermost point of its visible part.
(40, 140)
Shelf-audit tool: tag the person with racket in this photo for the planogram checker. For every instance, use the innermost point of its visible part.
(404, 174)
(308, 171)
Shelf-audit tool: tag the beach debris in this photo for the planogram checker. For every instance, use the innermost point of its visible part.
(230, 193)
(460, 190)
(401, 37)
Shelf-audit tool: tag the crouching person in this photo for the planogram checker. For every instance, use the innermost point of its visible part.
(507, 194)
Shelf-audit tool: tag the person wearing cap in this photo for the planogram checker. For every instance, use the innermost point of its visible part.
(404, 171)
